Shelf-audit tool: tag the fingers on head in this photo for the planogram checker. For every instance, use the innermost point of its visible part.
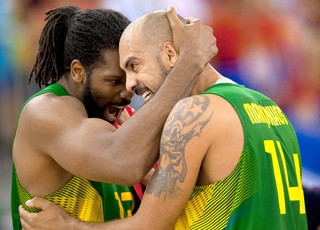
(172, 17)
(209, 28)
(170, 8)
(193, 20)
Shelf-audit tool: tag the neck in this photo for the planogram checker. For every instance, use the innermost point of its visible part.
(70, 86)
(207, 78)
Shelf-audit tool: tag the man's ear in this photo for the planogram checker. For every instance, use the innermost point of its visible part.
(172, 55)
(77, 70)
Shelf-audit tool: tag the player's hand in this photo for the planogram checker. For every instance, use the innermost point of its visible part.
(124, 116)
(50, 217)
(194, 39)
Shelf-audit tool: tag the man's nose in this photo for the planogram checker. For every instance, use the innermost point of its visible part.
(126, 94)
(131, 83)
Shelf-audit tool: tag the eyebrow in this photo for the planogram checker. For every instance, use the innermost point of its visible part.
(130, 59)
(114, 76)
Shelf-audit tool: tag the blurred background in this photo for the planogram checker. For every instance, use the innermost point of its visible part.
(272, 46)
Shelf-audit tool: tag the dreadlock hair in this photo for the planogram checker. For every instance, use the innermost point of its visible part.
(71, 34)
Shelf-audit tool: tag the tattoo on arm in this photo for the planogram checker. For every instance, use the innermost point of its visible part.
(186, 121)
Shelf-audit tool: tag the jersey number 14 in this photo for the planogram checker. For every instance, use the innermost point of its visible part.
(295, 193)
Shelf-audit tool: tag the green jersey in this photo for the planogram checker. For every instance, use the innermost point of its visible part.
(264, 191)
(83, 199)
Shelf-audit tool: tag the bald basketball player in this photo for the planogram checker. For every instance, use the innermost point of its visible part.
(229, 156)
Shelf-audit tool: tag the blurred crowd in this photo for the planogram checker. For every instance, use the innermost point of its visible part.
(272, 46)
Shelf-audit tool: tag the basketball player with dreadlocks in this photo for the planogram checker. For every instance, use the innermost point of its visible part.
(66, 130)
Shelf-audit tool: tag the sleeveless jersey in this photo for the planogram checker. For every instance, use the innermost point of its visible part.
(83, 199)
(264, 191)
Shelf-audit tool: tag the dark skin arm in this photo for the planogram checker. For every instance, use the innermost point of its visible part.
(136, 132)
(170, 187)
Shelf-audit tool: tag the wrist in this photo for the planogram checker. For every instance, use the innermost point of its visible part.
(190, 64)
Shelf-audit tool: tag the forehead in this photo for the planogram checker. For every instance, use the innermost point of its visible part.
(131, 48)
(110, 62)
(110, 57)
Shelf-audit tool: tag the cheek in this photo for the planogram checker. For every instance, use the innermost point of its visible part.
(157, 82)
(105, 94)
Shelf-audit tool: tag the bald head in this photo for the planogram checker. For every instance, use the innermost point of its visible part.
(147, 53)
(152, 29)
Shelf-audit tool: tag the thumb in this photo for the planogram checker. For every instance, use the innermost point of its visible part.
(172, 16)
(176, 26)
(37, 202)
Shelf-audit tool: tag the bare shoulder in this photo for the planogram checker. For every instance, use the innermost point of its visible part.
(49, 104)
(190, 120)
(219, 111)
(48, 115)
(197, 103)
(42, 123)
(204, 101)
(193, 112)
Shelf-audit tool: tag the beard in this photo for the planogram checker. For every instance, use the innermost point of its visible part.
(163, 70)
(92, 107)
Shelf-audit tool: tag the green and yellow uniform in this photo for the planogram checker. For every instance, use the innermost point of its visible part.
(83, 199)
(264, 191)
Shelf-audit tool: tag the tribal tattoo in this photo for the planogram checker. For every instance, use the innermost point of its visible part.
(185, 122)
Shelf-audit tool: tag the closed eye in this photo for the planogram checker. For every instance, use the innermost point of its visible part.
(116, 82)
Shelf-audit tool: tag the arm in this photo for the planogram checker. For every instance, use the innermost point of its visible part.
(183, 147)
